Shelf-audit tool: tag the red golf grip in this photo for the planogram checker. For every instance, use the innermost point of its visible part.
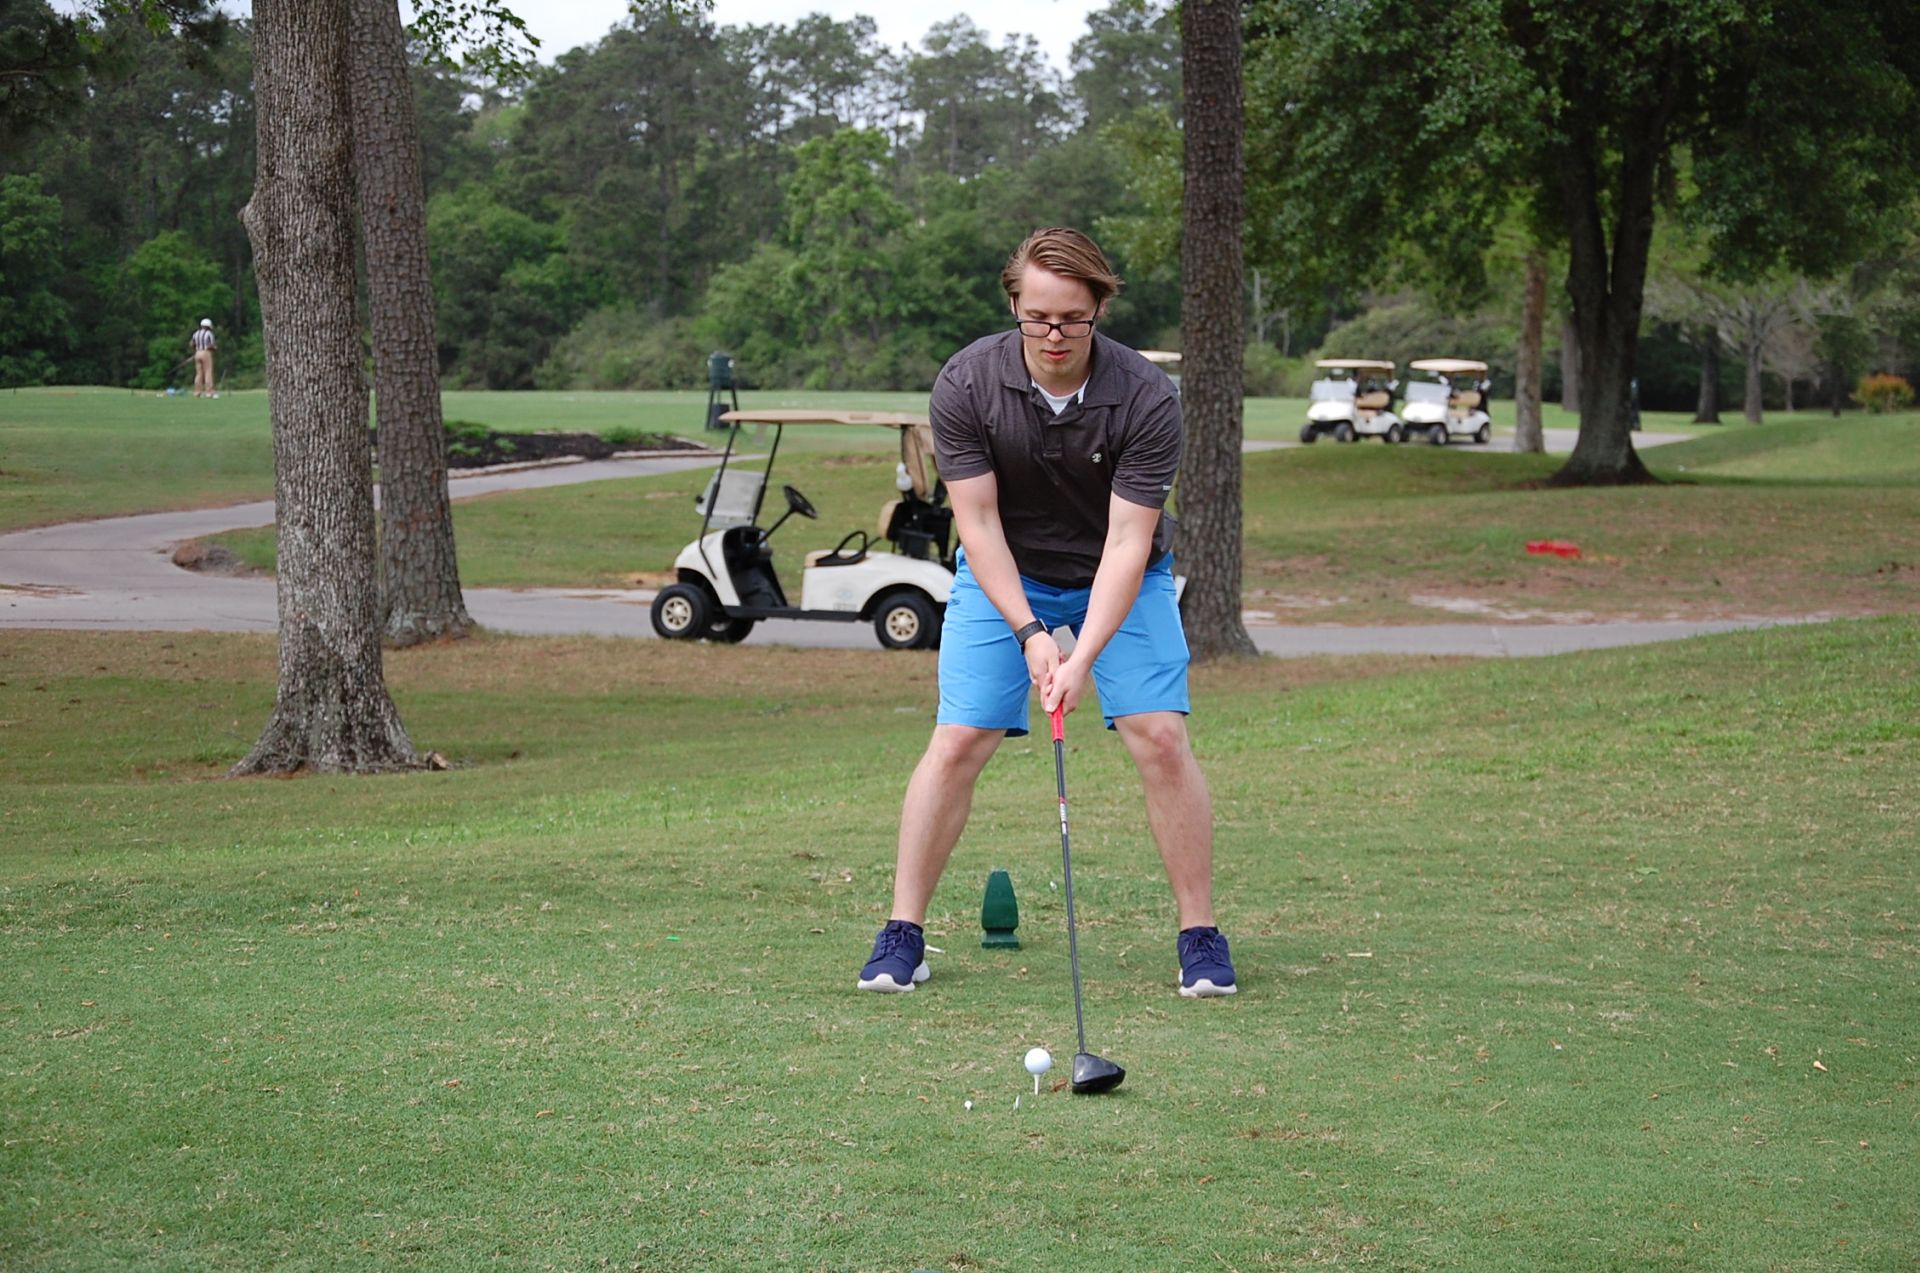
(1059, 728)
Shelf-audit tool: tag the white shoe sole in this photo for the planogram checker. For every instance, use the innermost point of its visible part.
(886, 985)
(1204, 989)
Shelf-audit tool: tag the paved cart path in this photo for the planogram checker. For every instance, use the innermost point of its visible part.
(117, 574)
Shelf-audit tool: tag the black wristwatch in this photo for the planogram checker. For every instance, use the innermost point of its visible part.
(1028, 632)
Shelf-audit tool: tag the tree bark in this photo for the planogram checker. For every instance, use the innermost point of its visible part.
(420, 573)
(1569, 366)
(1528, 434)
(1608, 291)
(1212, 323)
(1707, 410)
(332, 711)
(1751, 407)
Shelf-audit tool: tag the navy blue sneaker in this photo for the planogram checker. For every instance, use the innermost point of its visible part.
(1206, 969)
(899, 958)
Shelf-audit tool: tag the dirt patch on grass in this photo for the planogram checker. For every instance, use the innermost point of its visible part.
(210, 557)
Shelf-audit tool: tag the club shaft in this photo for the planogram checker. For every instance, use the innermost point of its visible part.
(1066, 872)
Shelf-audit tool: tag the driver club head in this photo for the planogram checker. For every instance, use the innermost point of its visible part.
(1093, 1074)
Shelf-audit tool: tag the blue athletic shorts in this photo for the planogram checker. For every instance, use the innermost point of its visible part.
(983, 675)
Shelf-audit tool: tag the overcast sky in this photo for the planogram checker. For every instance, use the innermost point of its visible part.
(567, 24)
(1056, 24)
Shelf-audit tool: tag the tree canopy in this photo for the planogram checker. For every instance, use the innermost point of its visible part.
(1797, 122)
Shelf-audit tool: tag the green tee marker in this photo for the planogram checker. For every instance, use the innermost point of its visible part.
(999, 913)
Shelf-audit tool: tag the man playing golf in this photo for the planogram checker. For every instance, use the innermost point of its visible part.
(203, 344)
(1058, 447)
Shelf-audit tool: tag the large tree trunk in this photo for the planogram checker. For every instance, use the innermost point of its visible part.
(1528, 435)
(332, 711)
(1608, 293)
(1569, 366)
(1751, 407)
(1212, 326)
(1836, 389)
(420, 575)
(1707, 410)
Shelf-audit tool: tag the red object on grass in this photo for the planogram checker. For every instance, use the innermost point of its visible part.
(1553, 548)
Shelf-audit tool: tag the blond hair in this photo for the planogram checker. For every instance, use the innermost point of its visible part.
(1066, 252)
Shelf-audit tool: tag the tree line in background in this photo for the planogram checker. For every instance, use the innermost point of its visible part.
(833, 212)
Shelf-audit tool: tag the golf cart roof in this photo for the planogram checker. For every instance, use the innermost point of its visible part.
(1161, 356)
(890, 419)
(1447, 366)
(916, 435)
(1354, 364)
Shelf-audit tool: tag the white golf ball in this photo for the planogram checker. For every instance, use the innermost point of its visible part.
(1039, 1060)
(967, 1105)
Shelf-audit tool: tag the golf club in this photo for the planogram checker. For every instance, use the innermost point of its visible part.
(1090, 1073)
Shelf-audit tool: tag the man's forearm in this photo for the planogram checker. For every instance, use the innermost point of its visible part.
(1116, 584)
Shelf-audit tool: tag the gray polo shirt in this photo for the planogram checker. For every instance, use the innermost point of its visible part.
(1055, 472)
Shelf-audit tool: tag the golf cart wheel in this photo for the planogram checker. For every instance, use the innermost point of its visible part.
(1483, 435)
(1437, 435)
(1343, 432)
(681, 612)
(729, 631)
(1309, 434)
(906, 621)
(1395, 434)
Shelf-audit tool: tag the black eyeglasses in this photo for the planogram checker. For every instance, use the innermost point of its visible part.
(1073, 329)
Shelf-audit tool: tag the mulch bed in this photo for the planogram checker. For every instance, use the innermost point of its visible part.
(491, 449)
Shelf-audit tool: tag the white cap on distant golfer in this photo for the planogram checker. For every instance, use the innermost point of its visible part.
(206, 322)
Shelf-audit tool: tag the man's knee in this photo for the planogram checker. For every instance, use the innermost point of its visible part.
(961, 750)
(1157, 741)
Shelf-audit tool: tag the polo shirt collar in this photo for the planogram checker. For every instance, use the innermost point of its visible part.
(1105, 386)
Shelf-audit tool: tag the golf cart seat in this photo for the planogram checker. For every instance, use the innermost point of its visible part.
(1465, 399)
(844, 553)
(920, 528)
(1373, 400)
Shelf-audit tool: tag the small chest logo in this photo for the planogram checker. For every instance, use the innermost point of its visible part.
(1096, 457)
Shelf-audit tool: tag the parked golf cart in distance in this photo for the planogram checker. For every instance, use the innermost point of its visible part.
(1353, 399)
(726, 581)
(1447, 398)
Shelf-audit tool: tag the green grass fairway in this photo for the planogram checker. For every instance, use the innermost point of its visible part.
(1598, 962)
(1803, 516)
(70, 453)
(73, 453)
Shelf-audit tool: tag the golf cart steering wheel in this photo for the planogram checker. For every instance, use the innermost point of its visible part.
(799, 503)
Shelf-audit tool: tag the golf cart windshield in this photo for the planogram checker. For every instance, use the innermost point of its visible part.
(1426, 391)
(916, 437)
(1331, 391)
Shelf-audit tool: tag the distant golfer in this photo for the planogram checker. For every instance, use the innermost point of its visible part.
(203, 346)
(1058, 447)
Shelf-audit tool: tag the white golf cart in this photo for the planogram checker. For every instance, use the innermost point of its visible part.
(1447, 398)
(726, 581)
(1352, 399)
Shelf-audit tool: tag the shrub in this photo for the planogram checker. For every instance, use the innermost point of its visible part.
(465, 438)
(1268, 373)
(616, 348)
(1883, 393)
